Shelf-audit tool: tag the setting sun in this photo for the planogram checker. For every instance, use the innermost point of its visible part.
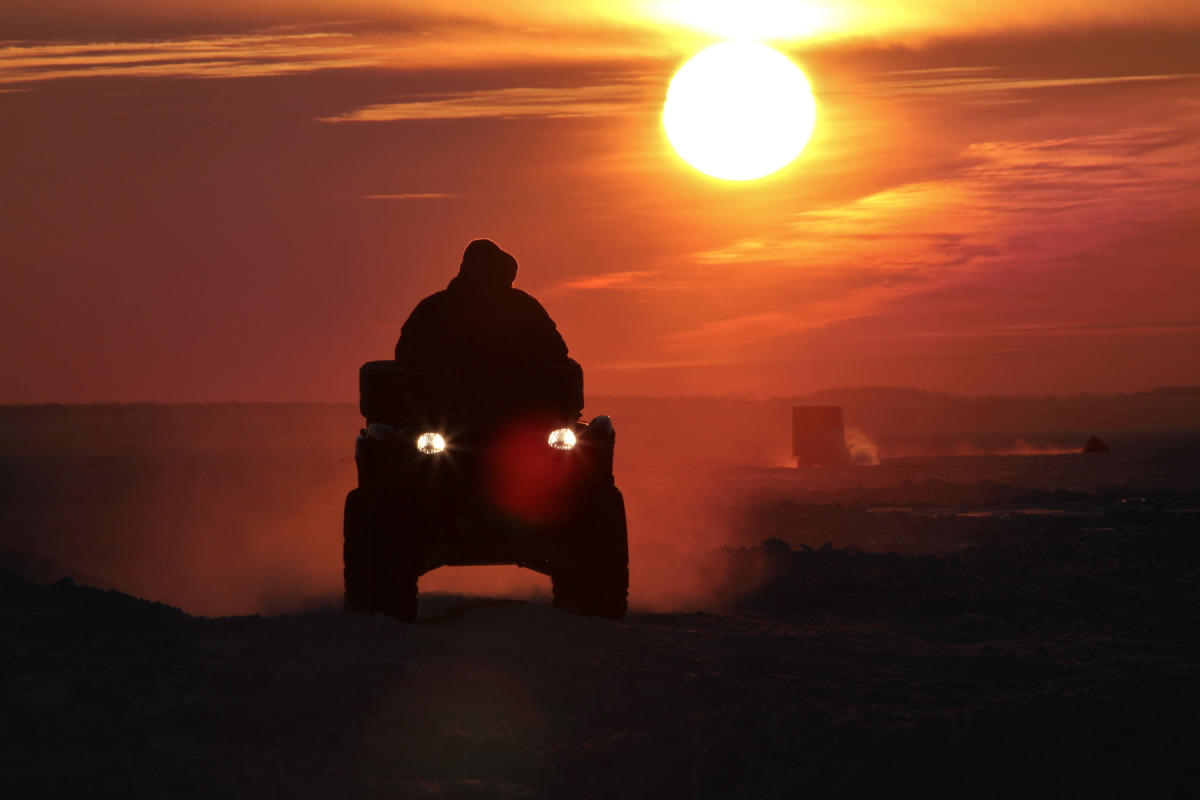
(739, 111)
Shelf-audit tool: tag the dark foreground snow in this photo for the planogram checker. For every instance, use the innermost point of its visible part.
(1063, 666)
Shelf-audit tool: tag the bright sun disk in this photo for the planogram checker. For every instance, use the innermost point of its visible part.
(739, 111)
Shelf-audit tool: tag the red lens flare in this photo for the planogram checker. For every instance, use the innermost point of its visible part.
(525, 476)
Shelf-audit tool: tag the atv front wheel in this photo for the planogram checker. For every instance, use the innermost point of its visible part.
(591, 574)
(377, 569)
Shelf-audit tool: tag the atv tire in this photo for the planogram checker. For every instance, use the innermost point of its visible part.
(591, 574)
(378, 571)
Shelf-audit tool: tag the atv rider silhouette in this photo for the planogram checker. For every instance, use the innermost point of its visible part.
(479, 323)
(475, 454)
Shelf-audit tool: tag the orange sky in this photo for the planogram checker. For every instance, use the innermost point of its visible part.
(242, 201)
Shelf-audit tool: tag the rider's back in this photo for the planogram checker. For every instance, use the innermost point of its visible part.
(467, 328)
(495, 339)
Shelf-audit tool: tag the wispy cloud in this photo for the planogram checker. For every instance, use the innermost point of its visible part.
(508, 103)
(1014, 207)
(737, 337)
(925, 225)
(1070, 329)
(741, 330)
(952, 80)
(1035, 190)
(610, 280)
(410, 196)
(658, 364)
(936, 71)
(208, 57)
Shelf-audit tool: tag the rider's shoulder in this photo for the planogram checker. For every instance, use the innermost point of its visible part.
(524, 298)
(434, 300)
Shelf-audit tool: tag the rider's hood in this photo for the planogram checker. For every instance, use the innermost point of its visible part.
(485, 267)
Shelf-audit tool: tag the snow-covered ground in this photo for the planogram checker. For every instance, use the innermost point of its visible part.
(977, 626)
(1064, 666)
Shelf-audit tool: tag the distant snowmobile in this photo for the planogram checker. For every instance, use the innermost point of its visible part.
(462, 469)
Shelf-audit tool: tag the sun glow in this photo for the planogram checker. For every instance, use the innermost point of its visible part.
(739, 111)
(750, 19)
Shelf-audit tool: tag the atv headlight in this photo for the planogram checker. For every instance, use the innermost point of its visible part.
(431, 443)
(562, 438)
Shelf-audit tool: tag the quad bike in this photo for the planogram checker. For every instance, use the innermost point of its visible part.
(492, 468)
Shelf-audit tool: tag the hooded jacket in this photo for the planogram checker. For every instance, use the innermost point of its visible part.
(479, 321)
